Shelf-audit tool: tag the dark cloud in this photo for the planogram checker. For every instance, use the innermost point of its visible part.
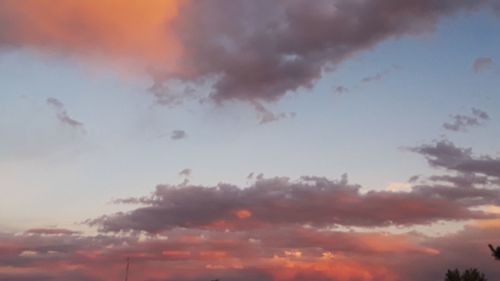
(263, 49)
(178, 135)
(445, 154)
(315, 201)
(341, 90)
(463, 122)
(62, 115)
(289, 44)
(185, 172)
(244, 50)
(482, 64)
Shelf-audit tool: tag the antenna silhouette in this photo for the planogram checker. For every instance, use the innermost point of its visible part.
(126, 268)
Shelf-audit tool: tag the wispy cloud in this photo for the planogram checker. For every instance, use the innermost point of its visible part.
(444, 154)
(341, 90)
(482, 64)
(266, 116)
(464, 122)
(178, 135)
(63, 116)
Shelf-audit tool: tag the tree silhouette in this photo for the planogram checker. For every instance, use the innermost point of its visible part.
(473, 275)
(468, 275)
(495, 252)
(453, 275)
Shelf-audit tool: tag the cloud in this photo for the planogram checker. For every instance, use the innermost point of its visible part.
(279, 201)
(251, 51)
(194, 255)
(71, 276)
(50, 231)
(463, 122)
(267, 116)
(273, 253)
(185, 173)
(341, 90)
(482, 64)
(444, 154)
(279, 229)
(88, 29)
(178, 135)
(472, 240)
(63, 116)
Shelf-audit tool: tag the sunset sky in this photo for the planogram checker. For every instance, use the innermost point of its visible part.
(249, 140)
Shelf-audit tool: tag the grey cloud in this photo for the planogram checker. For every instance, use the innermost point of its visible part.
(463, 122)
(315, 201)
(178, 135)
(445, 154)
(267, 116)
(260, 50)
(244, 50)
(341, 90)
(62, 114)
(185, 172)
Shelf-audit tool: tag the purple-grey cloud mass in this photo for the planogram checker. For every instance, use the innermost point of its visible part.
(464, 122)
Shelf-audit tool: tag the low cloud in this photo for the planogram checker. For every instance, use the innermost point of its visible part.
(50, 231)
(279, 229)
(280, 201)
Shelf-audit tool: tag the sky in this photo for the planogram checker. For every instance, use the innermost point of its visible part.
(265, 140)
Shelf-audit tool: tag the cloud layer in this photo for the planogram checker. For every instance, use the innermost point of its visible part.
(254, 51)
(279, 201)
(280, 230)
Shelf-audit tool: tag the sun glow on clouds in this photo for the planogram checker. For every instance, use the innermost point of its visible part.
(136, 30)
(276, 229)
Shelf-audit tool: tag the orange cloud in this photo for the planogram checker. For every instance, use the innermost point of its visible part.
(176, 254)
(243, 214)
(132, 29)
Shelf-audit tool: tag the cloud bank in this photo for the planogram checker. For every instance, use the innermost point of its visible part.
(279, 229)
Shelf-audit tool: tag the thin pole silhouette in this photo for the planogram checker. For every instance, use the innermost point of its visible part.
(126, 268)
